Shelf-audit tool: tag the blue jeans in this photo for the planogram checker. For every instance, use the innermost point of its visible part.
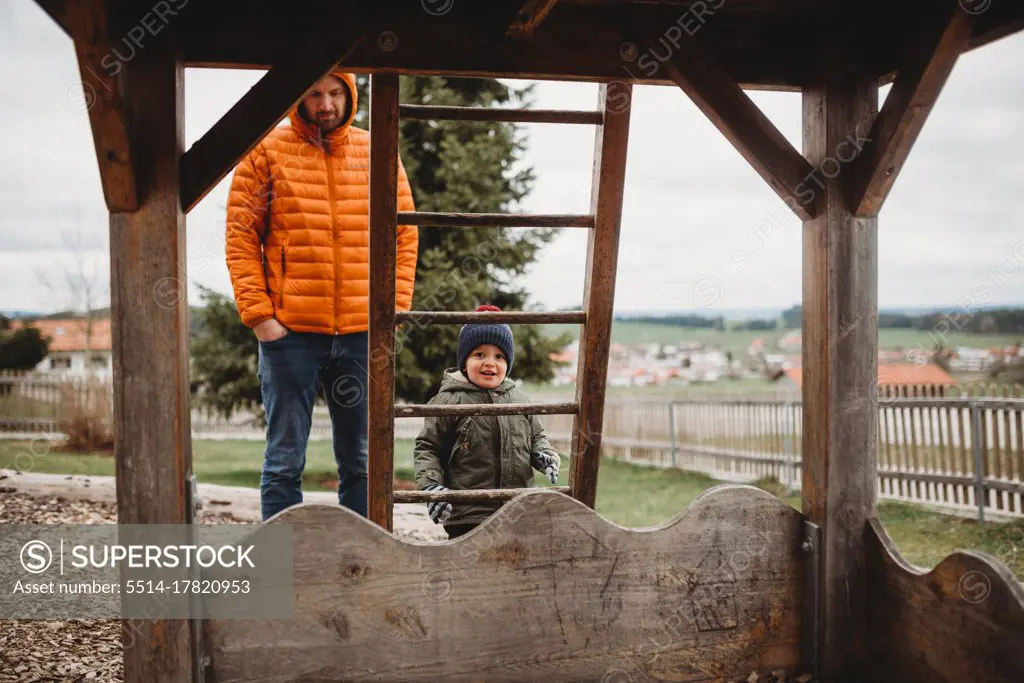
(290, 369)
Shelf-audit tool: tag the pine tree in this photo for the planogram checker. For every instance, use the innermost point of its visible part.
(224, 357)
(458, 166)
(465, 166)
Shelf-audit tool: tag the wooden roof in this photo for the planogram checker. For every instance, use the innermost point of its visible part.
(711, 49)
(772, 44)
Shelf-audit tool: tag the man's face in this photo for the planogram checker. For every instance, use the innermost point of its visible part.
(326, 103)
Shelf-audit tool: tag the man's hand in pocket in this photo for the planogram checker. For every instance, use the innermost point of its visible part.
(269, 330)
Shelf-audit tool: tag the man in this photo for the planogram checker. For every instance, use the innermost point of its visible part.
(298, 255)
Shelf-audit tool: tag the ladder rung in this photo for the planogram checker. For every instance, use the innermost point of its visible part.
(498, 220)
(469, 496)
(509, 317)
(466, 410)
(425, 112)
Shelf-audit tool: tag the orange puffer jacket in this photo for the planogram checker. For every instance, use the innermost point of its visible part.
(298, 228)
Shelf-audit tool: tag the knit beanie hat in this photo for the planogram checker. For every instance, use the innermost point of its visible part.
(473, 335)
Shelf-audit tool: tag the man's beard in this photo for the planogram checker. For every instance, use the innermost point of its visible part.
(322, 126)
(328, 124)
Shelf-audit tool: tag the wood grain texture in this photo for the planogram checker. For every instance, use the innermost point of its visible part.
(428, 112)
(697, 73)
(383, 236)
(611, 144)
(486, 409)
(494, 220)
(961, 621)
(92, 23)
(327, 42)
(149, 313)
(530, 17)
(467, 496)
(766, 48)
(509, 317)
(907, 106)
(840, 355)
(543, 590)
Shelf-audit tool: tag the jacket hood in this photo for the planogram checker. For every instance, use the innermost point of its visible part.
(311, 131)
(454, 380)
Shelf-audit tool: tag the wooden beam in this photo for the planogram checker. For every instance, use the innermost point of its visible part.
(465, 410)
(840, 356)
(529, 17)
(575, 42)
(468, 496)
(914, 93)
(508, 317)
(690, 66)
(421, 112)
(383, 236)
(609, 178)
(993, 21)
(90, 25)
(495, 220)
(56, 11)
(149, 313)
(212, 157)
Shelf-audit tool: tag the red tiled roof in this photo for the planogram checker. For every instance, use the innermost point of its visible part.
(897, 374)
(69, 334)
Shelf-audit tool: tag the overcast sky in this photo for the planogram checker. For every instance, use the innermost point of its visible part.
(951, 234)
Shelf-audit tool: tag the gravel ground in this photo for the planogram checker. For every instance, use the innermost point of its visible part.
(87, 650)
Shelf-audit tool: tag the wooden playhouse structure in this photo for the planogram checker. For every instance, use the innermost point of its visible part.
(546, 590)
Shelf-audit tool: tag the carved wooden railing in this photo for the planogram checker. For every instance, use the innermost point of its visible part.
(962, 621)
(544, 590)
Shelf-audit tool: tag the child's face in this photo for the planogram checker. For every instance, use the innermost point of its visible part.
(486, 366)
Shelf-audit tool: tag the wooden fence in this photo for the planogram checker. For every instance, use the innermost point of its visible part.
(961, 448)
(30, 406)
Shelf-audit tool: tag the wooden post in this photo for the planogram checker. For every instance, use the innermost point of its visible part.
(599, 288)
(840, 359)
(149, 315)
(383, 234)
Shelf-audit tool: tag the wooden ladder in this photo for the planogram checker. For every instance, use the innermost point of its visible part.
(612, 121)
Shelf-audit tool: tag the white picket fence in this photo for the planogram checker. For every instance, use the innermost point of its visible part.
(963, 452)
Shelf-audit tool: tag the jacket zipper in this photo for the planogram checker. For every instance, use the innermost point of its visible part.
(497, 421)
(284, 277)
(334, 235)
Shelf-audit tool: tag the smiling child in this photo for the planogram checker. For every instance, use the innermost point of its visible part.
(482, 451)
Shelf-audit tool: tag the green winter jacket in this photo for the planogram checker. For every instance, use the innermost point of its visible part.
(477, 452)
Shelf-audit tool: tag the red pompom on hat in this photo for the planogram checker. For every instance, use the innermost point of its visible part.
(488, 307)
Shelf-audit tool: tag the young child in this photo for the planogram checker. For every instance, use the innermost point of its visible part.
(483, 451)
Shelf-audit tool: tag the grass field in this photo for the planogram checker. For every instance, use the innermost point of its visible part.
(737, 341)
(628, 495)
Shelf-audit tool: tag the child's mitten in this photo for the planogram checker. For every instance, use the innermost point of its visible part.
(439, 510)
(547, 464)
